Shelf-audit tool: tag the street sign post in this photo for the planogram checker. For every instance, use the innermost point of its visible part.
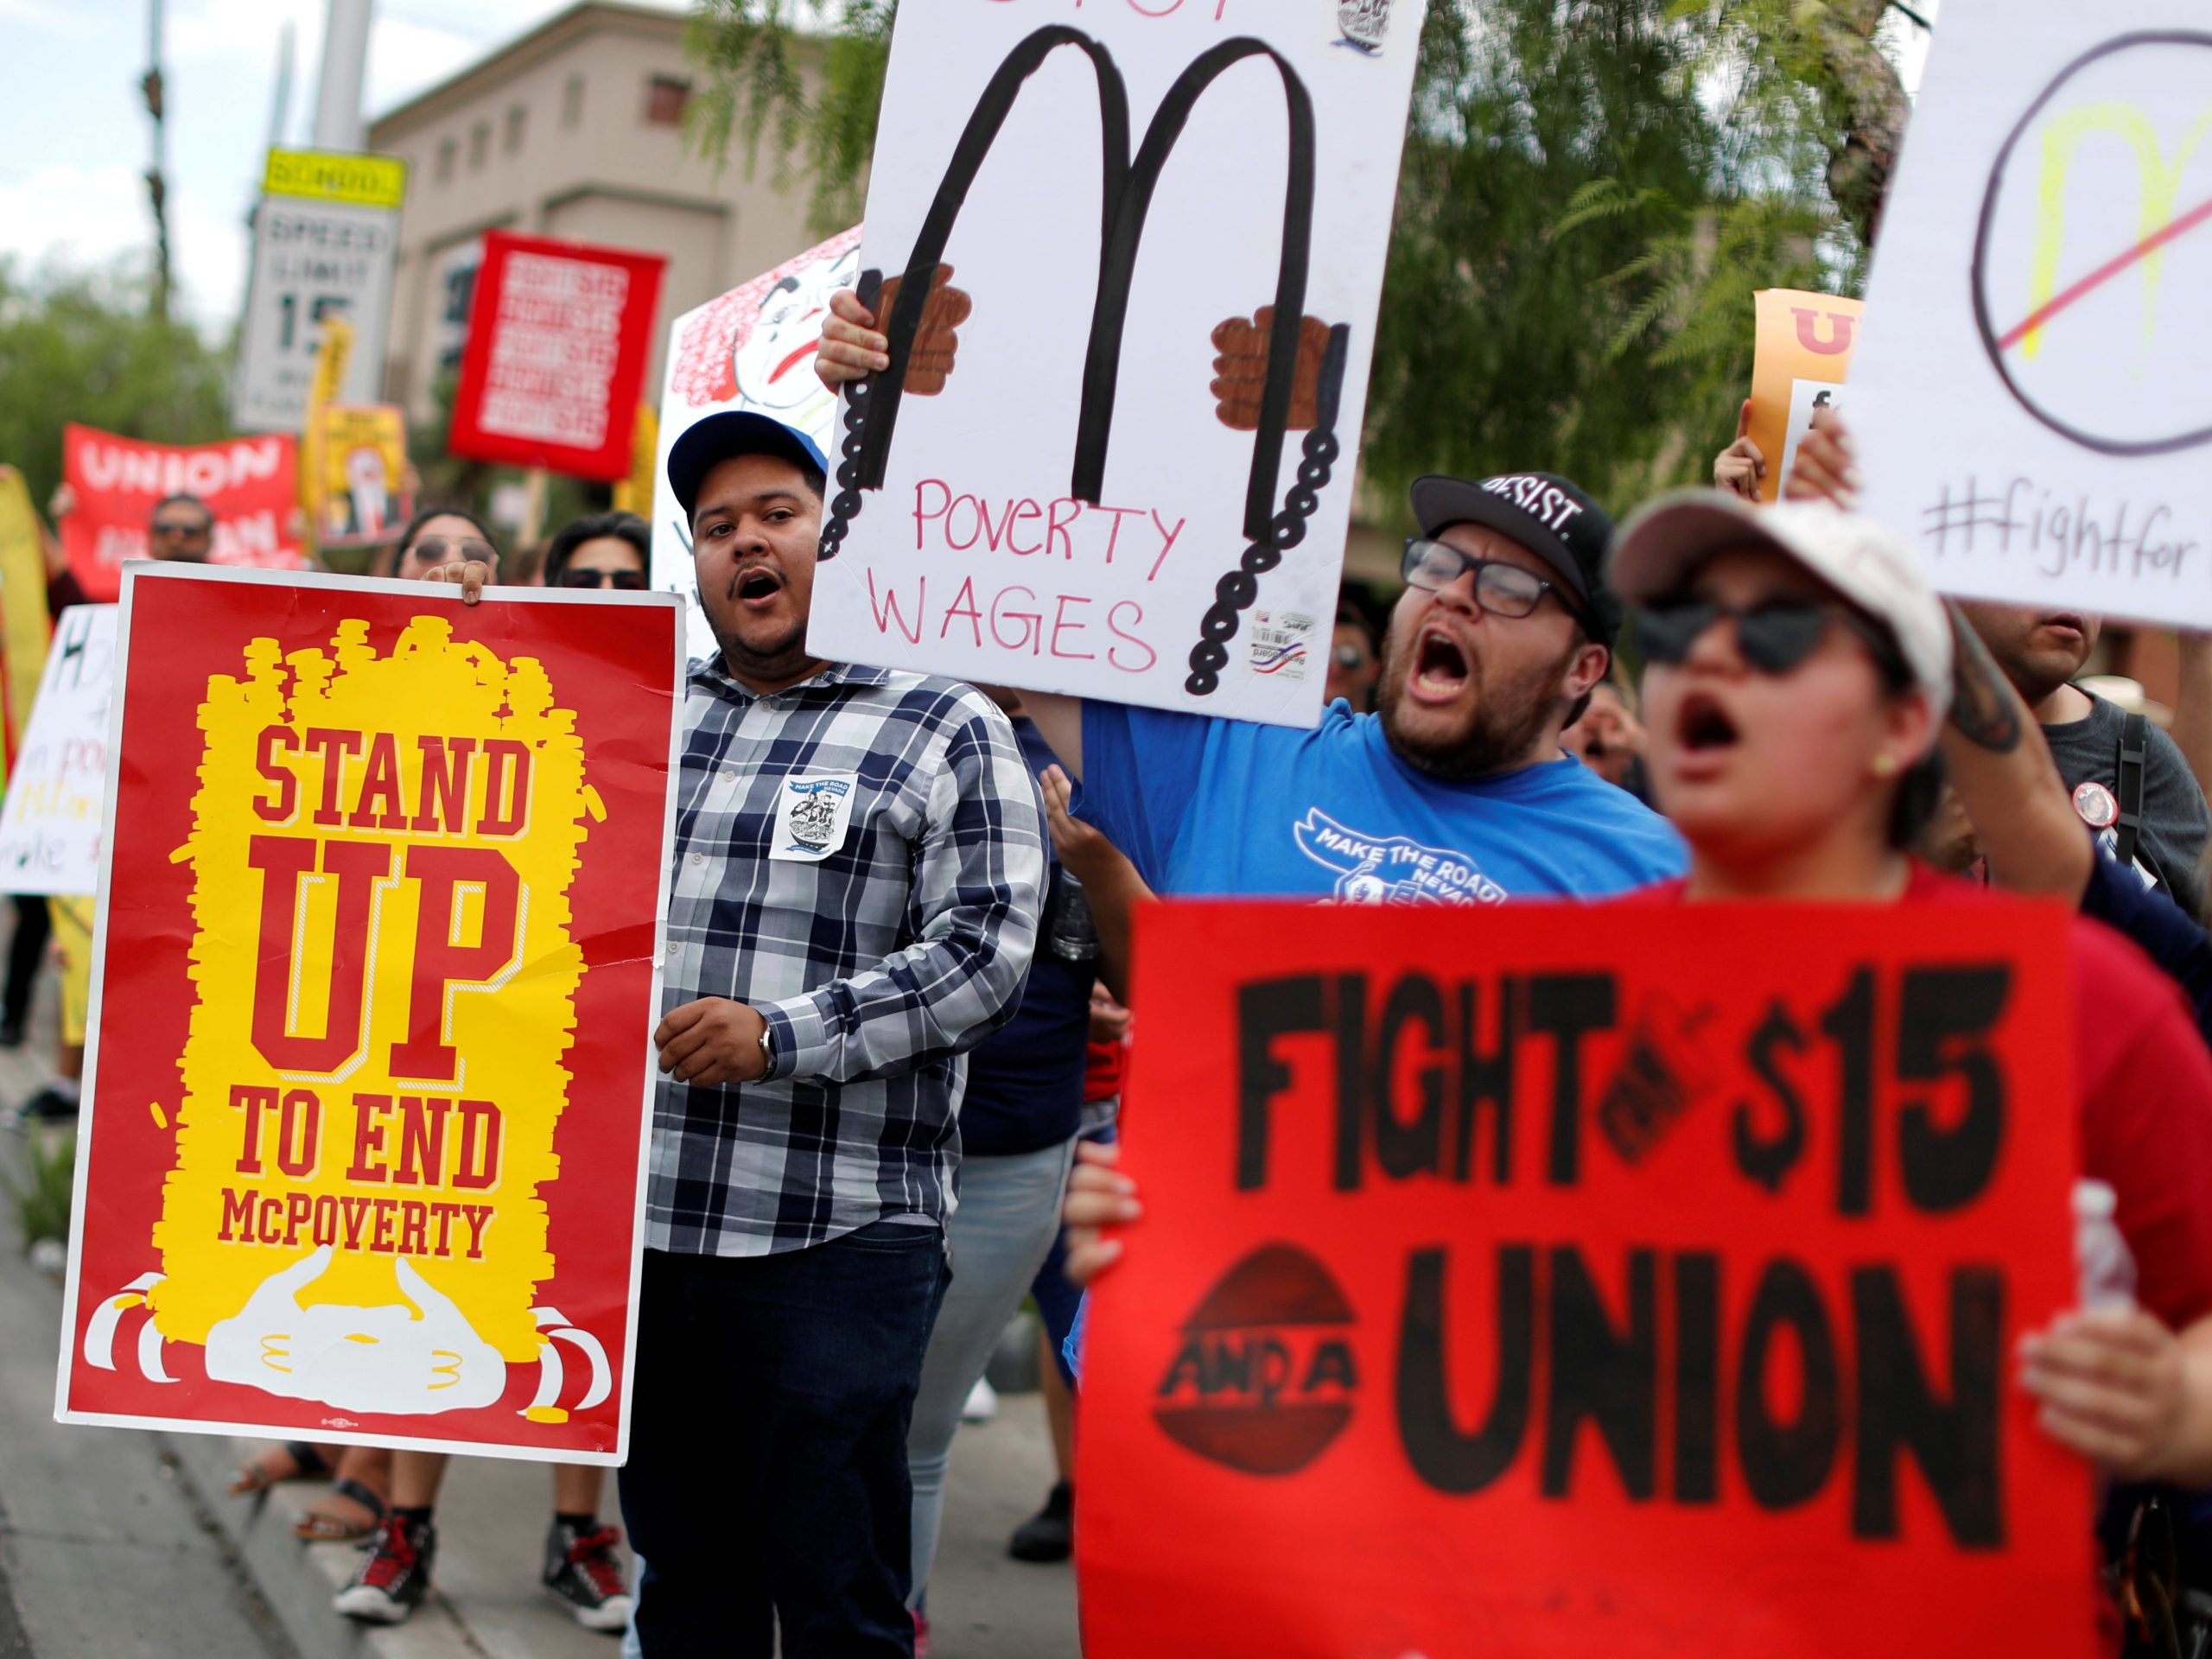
(325, 238)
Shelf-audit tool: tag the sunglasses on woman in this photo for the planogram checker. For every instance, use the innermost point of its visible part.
(628, 582)
(1775, 636)
(444, 550)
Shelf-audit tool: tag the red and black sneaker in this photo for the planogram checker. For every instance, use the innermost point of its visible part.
(394, 1574)
(583, 1569)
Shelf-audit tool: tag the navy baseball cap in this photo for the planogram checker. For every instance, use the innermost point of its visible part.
(1553, 517)
(706, 444)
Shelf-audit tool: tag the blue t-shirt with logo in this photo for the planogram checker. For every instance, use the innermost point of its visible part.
(1210, 806)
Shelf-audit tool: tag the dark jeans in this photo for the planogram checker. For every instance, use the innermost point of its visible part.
(25, 950)
(767, 1473)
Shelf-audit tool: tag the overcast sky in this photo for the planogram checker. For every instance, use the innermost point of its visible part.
(74, 136)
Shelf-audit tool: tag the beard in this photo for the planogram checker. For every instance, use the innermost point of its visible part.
(1495, 731)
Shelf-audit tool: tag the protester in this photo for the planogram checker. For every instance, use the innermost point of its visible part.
(439, 536)
(1456, 791)
(1609, 739)
(858, 868)
(1018, 1123)
(1353, 664)
(603, 550)
(2041, 651)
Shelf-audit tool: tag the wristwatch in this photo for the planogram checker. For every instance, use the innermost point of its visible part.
(767, 1048)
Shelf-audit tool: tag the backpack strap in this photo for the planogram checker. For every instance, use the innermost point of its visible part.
(2133, 739)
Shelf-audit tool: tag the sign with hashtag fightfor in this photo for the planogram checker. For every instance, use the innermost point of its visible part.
(2034, 397)
(557, 339)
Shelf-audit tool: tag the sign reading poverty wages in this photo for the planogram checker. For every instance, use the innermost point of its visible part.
(50, 822)
(751, 348)
(558, 335)
(250, 484)
(1652, 1288)
(369, 1073)
(1129, 257)
(2034, 397)
(325, 240)
(1804, 347)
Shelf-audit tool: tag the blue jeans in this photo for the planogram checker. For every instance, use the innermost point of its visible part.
(1008, 1216)
(767, 1483)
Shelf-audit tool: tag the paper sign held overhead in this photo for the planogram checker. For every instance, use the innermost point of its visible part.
(50, 822)
(1615, 1283)
(1128, 258)
(2034, 397)
(1805, 347)
(557, 337)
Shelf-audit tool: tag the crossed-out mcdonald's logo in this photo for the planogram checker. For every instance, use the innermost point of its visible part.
(1298, 388)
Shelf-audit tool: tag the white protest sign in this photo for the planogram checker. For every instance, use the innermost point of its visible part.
(2033, 398)
(50, 821)
(751, 349)
(1131, 254)
(325, 236)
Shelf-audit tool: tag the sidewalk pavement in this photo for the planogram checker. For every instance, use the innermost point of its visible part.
(118, 1544)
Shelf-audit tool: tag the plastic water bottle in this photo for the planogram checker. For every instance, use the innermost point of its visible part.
(2101, 1253)
(1074, 936)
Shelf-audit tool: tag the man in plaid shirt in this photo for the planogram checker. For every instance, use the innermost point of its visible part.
(859, 856)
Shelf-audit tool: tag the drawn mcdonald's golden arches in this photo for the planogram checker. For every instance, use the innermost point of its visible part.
(1299, 382)
(2163, 220)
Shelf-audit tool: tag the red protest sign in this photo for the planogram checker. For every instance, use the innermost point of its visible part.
(1564, 1281)
(558, 335)
(367, 1081)
(250, 484)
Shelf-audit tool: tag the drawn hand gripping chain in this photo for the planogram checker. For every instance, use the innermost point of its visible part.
(872, 404)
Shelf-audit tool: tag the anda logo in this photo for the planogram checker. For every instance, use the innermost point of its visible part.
(1264, 1378)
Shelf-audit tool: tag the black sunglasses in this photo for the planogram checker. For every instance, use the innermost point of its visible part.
(172, 527)
(442, 549)
(1503, 589)
(629, 581)
(1775, 636)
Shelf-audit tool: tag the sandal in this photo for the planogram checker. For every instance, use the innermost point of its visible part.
(292, 1460)
(348, 1512)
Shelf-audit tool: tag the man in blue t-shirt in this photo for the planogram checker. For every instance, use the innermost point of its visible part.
(1456, 790)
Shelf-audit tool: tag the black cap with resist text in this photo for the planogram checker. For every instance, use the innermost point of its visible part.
(1550, 516)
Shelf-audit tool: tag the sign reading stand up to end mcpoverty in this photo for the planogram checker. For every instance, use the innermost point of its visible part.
(1129, 257)
(2034, 397)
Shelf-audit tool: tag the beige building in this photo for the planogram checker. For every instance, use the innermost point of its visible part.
(573, 130)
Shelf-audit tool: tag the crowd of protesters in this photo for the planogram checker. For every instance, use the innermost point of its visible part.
(878, 1069)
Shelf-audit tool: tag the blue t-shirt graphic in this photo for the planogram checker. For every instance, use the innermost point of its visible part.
(1219, 807)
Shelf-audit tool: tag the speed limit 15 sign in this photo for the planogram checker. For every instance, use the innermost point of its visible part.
(324, 237)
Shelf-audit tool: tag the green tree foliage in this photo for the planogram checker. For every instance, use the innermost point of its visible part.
(1581, 217)
(82, 346)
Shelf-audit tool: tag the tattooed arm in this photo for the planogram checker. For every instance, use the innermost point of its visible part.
(2001, 767)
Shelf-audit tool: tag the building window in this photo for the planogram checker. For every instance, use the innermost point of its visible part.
(572, 101)
(665, 96)
(518, 119)
(480, 143)
(447, 149)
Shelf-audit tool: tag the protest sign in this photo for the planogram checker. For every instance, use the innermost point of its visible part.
(356, 468)
(325, 240)
(23, 620)
(1651, 1287)
(369, 1075)
(751, 348)
(1802, 360)
(250, 484)
(50, 823)
(2034, 397)
(1129, 266)
(558, 333)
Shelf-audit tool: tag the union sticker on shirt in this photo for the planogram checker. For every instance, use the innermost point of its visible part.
(813, 812)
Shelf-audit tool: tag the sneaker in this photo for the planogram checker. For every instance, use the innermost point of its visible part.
(394, 1573)
(583, 1570)
(50, 1105)
(983, 1403)
(1049, 1534)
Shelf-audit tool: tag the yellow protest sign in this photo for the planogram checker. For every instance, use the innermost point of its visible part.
(635, 492)
(1803, 358)
(24, 623)
(355, 477)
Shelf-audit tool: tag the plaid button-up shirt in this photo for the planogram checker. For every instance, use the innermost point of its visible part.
(859, 858)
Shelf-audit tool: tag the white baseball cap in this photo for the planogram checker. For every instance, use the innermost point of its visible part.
(1663, 545)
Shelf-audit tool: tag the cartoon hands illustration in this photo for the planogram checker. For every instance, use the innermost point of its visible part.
(392, 1357)
(1241, 370)
(937, 341)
